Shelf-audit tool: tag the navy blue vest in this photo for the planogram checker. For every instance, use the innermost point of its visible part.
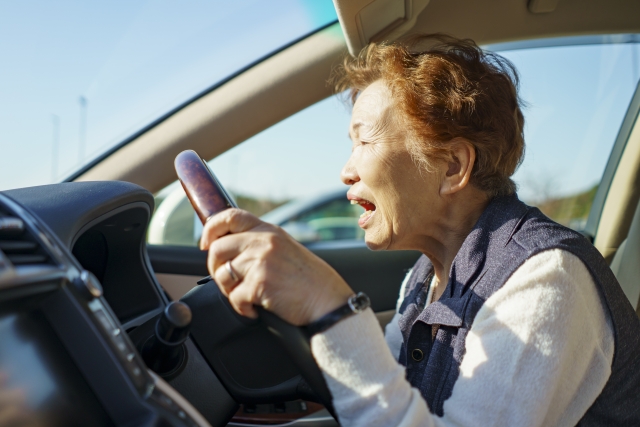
(506, 235)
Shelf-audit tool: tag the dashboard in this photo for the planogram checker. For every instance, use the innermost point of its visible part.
(79, 306)
(63, 346)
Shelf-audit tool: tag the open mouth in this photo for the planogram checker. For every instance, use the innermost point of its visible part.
(369, 210)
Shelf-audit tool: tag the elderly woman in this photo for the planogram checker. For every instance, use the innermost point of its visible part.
(508, 319)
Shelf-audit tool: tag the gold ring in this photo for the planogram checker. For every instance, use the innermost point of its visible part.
(231, 272)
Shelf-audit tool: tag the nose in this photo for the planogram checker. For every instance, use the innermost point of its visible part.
(349, 173)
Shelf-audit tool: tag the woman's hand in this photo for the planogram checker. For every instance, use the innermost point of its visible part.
(273, 270)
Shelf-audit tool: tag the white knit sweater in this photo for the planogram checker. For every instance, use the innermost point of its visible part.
(538, 354)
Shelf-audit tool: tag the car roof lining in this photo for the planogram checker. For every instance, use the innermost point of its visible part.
(487, 21)
(296, 77)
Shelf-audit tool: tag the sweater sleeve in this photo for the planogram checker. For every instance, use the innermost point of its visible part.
(538, 354)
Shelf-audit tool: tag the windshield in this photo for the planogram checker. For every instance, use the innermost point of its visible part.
(80, 78)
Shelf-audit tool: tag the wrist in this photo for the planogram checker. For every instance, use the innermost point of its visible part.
(356, 303)
(336, 300)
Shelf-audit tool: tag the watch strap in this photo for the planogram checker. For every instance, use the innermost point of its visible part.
(355, 304)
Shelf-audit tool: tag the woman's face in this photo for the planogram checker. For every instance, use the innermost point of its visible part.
(400, 201)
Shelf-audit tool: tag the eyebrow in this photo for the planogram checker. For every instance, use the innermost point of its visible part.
(355, 127)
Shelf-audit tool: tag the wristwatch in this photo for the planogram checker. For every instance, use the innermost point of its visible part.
(355, 304)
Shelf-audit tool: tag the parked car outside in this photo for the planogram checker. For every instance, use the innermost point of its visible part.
(320, 218)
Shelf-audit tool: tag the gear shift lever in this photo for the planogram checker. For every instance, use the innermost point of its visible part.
(164, 352)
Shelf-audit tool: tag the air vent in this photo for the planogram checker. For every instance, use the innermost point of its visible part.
(17, 243)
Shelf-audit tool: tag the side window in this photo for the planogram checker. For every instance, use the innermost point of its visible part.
(576, 97)
(326, 218)
(174, 222)
(288, 174)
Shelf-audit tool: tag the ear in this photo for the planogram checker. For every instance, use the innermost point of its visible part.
(457, 171)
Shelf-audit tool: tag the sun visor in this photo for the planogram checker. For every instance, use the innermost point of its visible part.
(365, 21)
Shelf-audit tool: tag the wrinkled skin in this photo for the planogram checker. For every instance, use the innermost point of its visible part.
(381, 171)
(411, 208)
(275, 271)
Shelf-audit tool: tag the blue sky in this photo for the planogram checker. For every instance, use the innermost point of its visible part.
(135, 60)
(132, 60)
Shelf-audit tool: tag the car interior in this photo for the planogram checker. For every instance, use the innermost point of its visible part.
(87, 306)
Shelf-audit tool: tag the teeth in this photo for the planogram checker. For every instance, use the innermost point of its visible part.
(365, 213)
(354, 202)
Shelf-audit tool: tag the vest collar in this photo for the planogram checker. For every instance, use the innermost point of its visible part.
(492, 232)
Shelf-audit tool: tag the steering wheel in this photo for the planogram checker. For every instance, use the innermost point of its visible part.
(235, 336)
(296, 342)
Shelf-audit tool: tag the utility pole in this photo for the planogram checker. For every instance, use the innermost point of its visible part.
(55, 147)
(634, 63)
(82, 137)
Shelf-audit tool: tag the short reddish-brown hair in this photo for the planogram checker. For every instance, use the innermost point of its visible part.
(450, 89)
